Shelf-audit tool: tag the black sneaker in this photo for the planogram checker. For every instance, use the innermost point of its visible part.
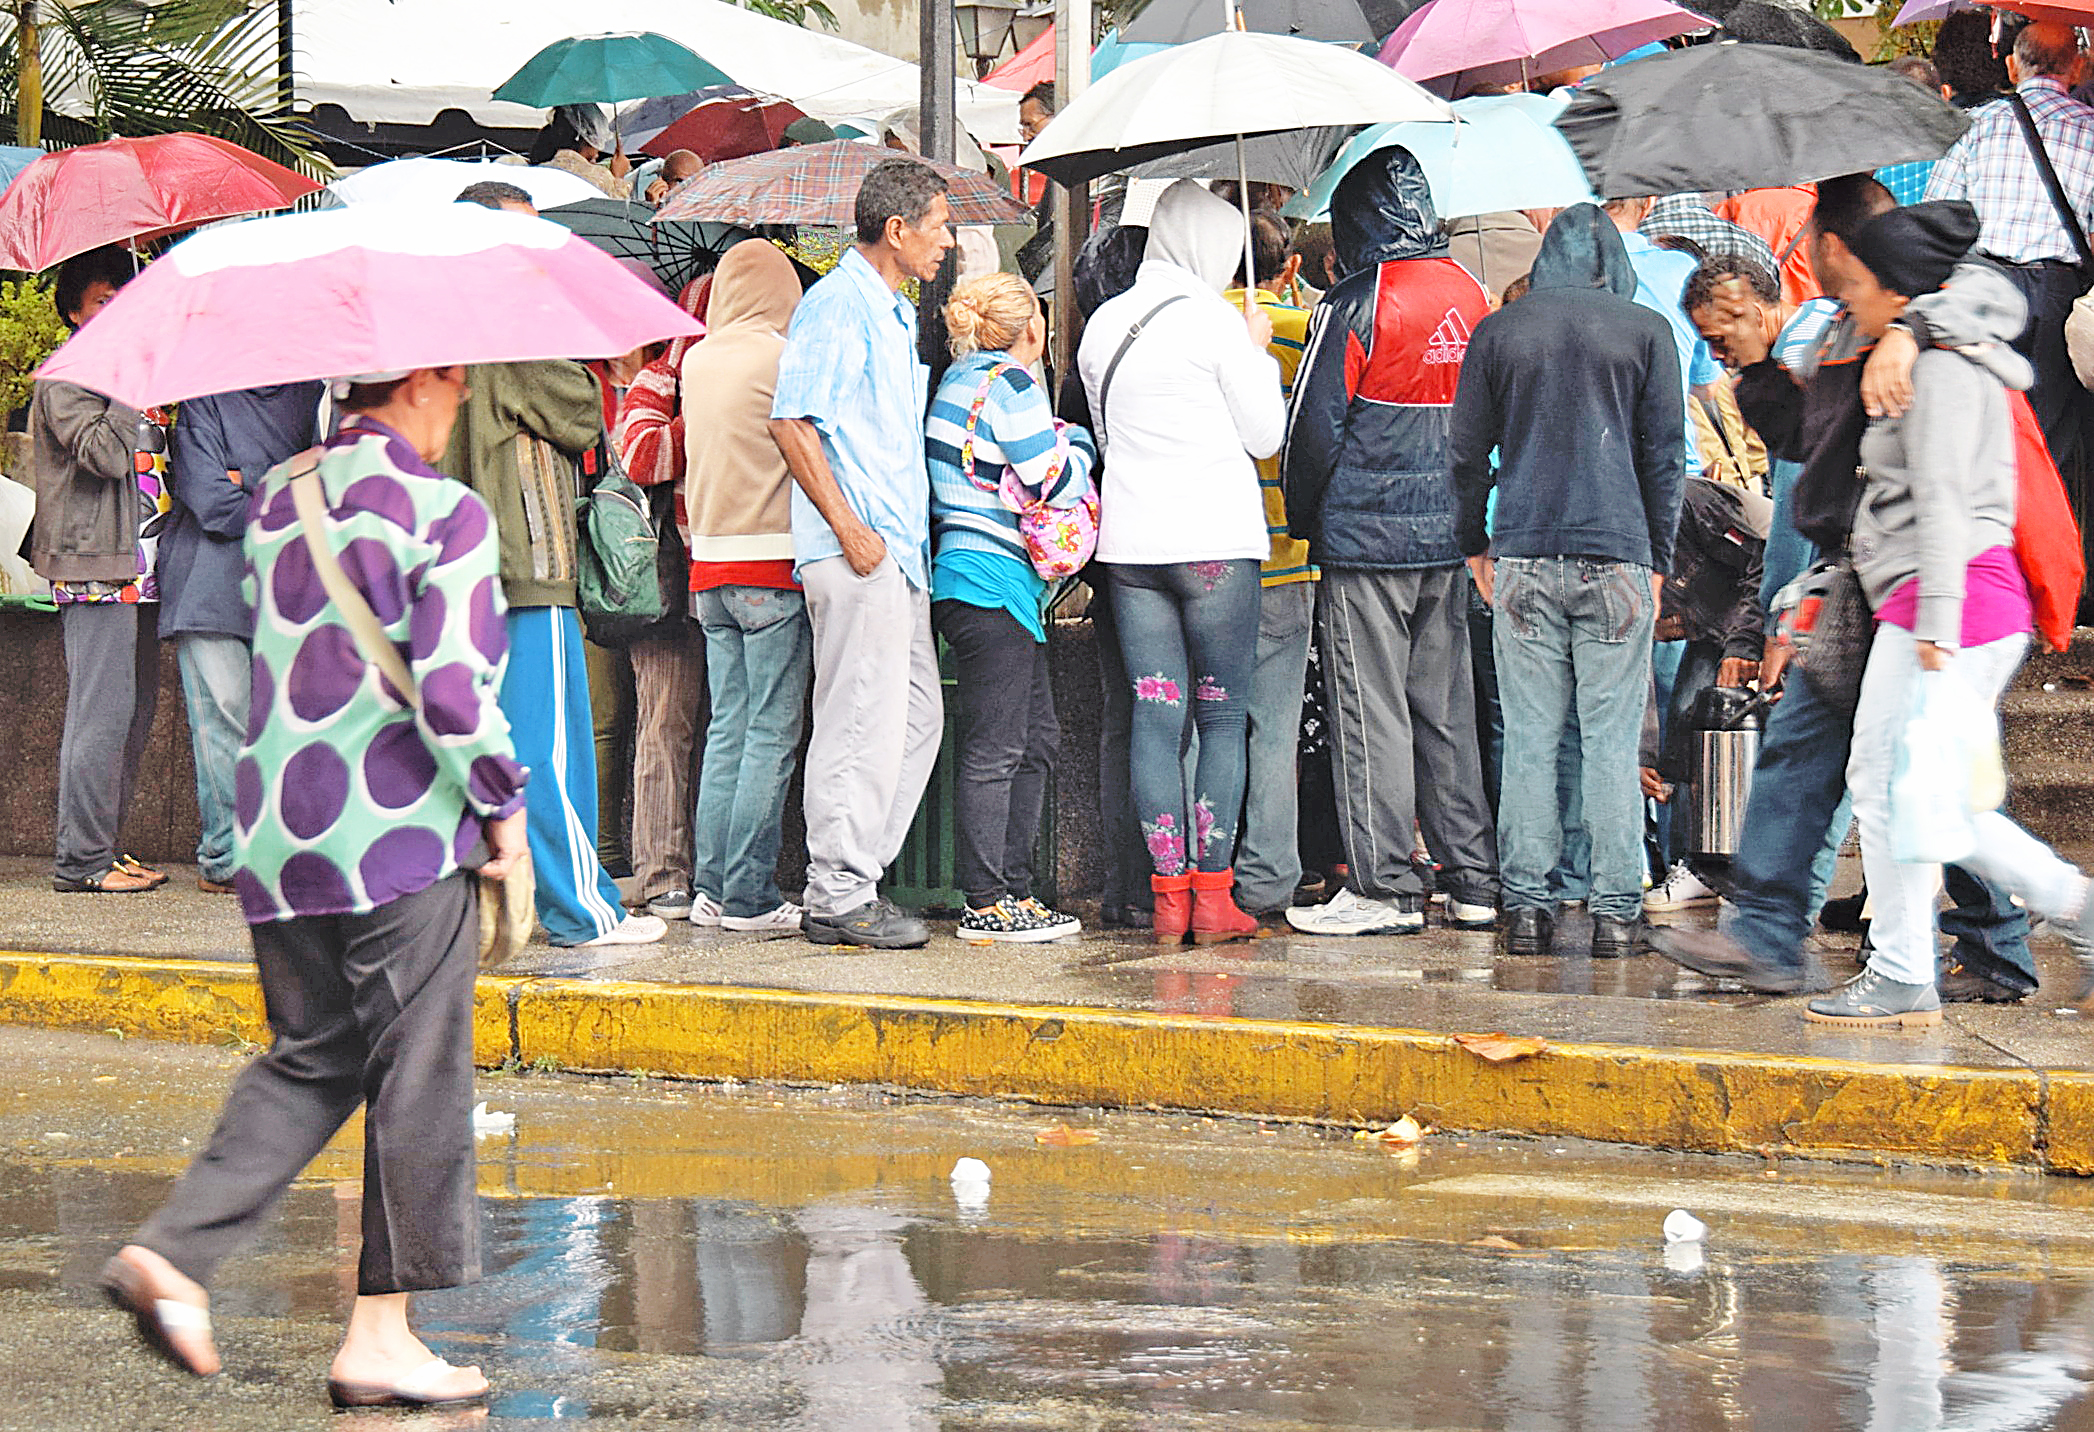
(1014, 922)
(1528, 931)
(1843, 915)
(1613, 939)
(1958, 983)
(878, 924)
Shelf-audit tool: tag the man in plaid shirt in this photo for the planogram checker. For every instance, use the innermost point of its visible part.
(1993, 168)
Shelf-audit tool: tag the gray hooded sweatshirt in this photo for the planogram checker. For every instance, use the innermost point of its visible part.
(1941, 479)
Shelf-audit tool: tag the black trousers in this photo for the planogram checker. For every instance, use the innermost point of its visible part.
(1008, 740)
(370, 1009)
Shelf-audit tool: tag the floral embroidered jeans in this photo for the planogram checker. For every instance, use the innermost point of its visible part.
(1189, 637)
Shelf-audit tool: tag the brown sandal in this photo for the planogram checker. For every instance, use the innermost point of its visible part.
(160, 1319)
(114, 881)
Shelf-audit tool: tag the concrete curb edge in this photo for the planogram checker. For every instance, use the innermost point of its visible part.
(1695, 1100)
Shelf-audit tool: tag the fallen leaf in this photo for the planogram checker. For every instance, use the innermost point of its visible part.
(1497, 1242)
(1502, 1048)
(1061, 1136)
(2076, 678)
(1402, 1134)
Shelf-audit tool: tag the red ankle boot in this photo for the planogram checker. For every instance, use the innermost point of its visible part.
(1173, 907)
(1215, 917)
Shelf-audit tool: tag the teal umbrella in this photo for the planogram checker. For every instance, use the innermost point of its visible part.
(604, 69)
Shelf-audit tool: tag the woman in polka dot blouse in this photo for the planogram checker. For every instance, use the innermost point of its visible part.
(358, 820)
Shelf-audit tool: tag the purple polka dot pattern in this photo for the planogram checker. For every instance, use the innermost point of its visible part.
(325, 674)
(343, 801)
(393, 864)
(398, 768)
(489, 631)
(316, 788)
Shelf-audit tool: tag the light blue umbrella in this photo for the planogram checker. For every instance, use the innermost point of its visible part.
(588, 69)
(14, 160)
(1502, 152)
(1112, 52)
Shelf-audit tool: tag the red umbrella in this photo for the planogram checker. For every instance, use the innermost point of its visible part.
(728, 127)
(125, 189)
(1027, 68)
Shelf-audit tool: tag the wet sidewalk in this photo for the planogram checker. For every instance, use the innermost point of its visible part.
(1344, 1030)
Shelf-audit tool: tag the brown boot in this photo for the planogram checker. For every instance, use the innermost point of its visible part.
(1173, 907)
(1215, 918)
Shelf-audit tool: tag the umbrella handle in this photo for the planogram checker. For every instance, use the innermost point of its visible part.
(1250, 263)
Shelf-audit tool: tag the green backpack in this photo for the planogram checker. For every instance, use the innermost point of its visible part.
(618, 585)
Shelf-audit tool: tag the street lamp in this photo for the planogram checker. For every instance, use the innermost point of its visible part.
(985, 28)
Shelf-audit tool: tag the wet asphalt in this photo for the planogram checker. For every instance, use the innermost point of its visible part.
(663, 1254)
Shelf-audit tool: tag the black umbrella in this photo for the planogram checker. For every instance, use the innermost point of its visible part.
(1764, 22)
(1732, 116)
(1173, 22)
(678, 250)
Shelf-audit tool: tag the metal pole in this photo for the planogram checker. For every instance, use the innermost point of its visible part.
(1072, 206)
(937, 60)
(286, 56)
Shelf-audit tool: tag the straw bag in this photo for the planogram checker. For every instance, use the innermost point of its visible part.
(507, 904)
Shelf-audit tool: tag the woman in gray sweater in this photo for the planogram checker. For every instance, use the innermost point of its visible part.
(1933, 545)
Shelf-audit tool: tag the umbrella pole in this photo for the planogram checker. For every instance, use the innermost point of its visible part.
(1250, 264)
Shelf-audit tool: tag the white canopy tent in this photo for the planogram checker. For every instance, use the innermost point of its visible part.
(405, 61)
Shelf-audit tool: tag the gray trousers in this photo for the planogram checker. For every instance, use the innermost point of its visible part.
(373, 1009)
(1268, 851)
(112, 683)
(1403, 730)
(878, 716)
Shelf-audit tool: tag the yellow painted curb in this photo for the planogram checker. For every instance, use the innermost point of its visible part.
(1665, 1098)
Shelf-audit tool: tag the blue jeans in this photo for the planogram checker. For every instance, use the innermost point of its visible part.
(1572, 633)
(758, 661)
(215, 681)
(1189, 639)
(1268, 860)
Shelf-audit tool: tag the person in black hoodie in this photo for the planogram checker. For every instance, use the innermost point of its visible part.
(1365, 476)
(1577, 389)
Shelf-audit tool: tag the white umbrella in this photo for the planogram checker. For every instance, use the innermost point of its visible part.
(437, 181)
(1227, 86)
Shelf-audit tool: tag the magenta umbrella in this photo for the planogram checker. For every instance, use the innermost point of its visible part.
(1467, 42)
(361, 289)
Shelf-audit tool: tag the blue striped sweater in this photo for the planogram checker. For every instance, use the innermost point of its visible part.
(1017, 429)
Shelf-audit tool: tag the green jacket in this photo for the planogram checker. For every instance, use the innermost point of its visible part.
(86, 526)
(518, 442)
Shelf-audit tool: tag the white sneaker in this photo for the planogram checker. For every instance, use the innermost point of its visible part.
(704, 910)
(785, 917)
(1352, 914)
(633, 930)
(1682, 888)
(1464, 916)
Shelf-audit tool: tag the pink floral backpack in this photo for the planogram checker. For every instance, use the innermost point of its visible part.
(1059, 540)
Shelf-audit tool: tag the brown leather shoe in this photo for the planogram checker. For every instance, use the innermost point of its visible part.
(114, 881)
(214, 887)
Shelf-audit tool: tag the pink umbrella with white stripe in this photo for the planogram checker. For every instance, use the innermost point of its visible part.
(360, 290)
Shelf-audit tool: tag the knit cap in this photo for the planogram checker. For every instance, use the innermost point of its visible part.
(1912, 250)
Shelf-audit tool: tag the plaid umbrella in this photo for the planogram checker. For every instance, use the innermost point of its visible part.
(678, 250)
(817, 184)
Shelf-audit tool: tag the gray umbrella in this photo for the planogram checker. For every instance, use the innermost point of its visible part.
(1173, 22)
(1737, 116)
(1293, 158)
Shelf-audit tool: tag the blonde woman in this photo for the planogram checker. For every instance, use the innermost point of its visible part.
(988, 421)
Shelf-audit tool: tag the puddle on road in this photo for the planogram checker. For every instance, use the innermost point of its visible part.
(772, 1259)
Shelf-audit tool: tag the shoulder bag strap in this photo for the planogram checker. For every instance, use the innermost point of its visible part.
(1105, 383)
(2051, 185)
(1795, 242)
(355, 612)
(974, 418)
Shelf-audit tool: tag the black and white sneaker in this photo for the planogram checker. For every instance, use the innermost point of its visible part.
(1014, 922)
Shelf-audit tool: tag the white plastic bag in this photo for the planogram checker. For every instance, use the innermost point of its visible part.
(1946, 767)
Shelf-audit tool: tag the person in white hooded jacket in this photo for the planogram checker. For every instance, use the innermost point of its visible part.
(1184, 398)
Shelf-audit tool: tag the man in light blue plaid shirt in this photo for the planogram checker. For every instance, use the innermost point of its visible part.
(1993, 168)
